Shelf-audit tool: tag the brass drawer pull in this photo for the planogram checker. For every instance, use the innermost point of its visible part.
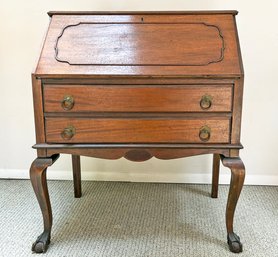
(68, 133)
(67, 103)
(206, 102)
(204, 133)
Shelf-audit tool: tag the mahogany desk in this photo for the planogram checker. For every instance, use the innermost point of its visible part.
(138, 85)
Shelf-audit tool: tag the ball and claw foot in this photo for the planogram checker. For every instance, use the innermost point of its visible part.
(234, 243)
(41, 244)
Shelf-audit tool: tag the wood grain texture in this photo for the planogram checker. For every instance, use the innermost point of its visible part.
(140, 44)
(142, 154)
(138, 80)
(139, 85)
(38, 113)
(144, 98)
(131, 62)
(136, 130)
(237, 111)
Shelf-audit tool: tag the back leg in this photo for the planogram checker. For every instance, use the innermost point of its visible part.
(76, 176)
(215, 175)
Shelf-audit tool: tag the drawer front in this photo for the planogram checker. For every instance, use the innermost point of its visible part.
(151, 98)
(136, 130)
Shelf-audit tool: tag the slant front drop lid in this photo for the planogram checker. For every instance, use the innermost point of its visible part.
(139, 85)
(140, 44)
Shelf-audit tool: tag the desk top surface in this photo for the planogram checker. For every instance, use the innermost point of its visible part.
(159, 44)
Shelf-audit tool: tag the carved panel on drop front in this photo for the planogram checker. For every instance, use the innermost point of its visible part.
(140, 44)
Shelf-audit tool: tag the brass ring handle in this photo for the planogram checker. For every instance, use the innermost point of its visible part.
(68, 132)
(206, 102)
(204, 133)
(67, 103)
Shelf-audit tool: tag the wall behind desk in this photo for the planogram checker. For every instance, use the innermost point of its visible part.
(22, 28)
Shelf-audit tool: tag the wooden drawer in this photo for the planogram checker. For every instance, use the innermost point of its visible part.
(137, 130)
(150, 98)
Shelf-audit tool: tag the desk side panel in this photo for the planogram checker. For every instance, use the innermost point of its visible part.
(38, 112)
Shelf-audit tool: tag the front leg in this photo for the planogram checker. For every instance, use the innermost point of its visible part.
(38, 180)
(237, 178)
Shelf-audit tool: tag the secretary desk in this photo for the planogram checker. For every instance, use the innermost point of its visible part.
(138, 85)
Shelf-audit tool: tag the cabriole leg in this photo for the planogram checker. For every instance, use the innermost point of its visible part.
(215, 175)
(237, 178)
(39, 183)
(76, 169)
